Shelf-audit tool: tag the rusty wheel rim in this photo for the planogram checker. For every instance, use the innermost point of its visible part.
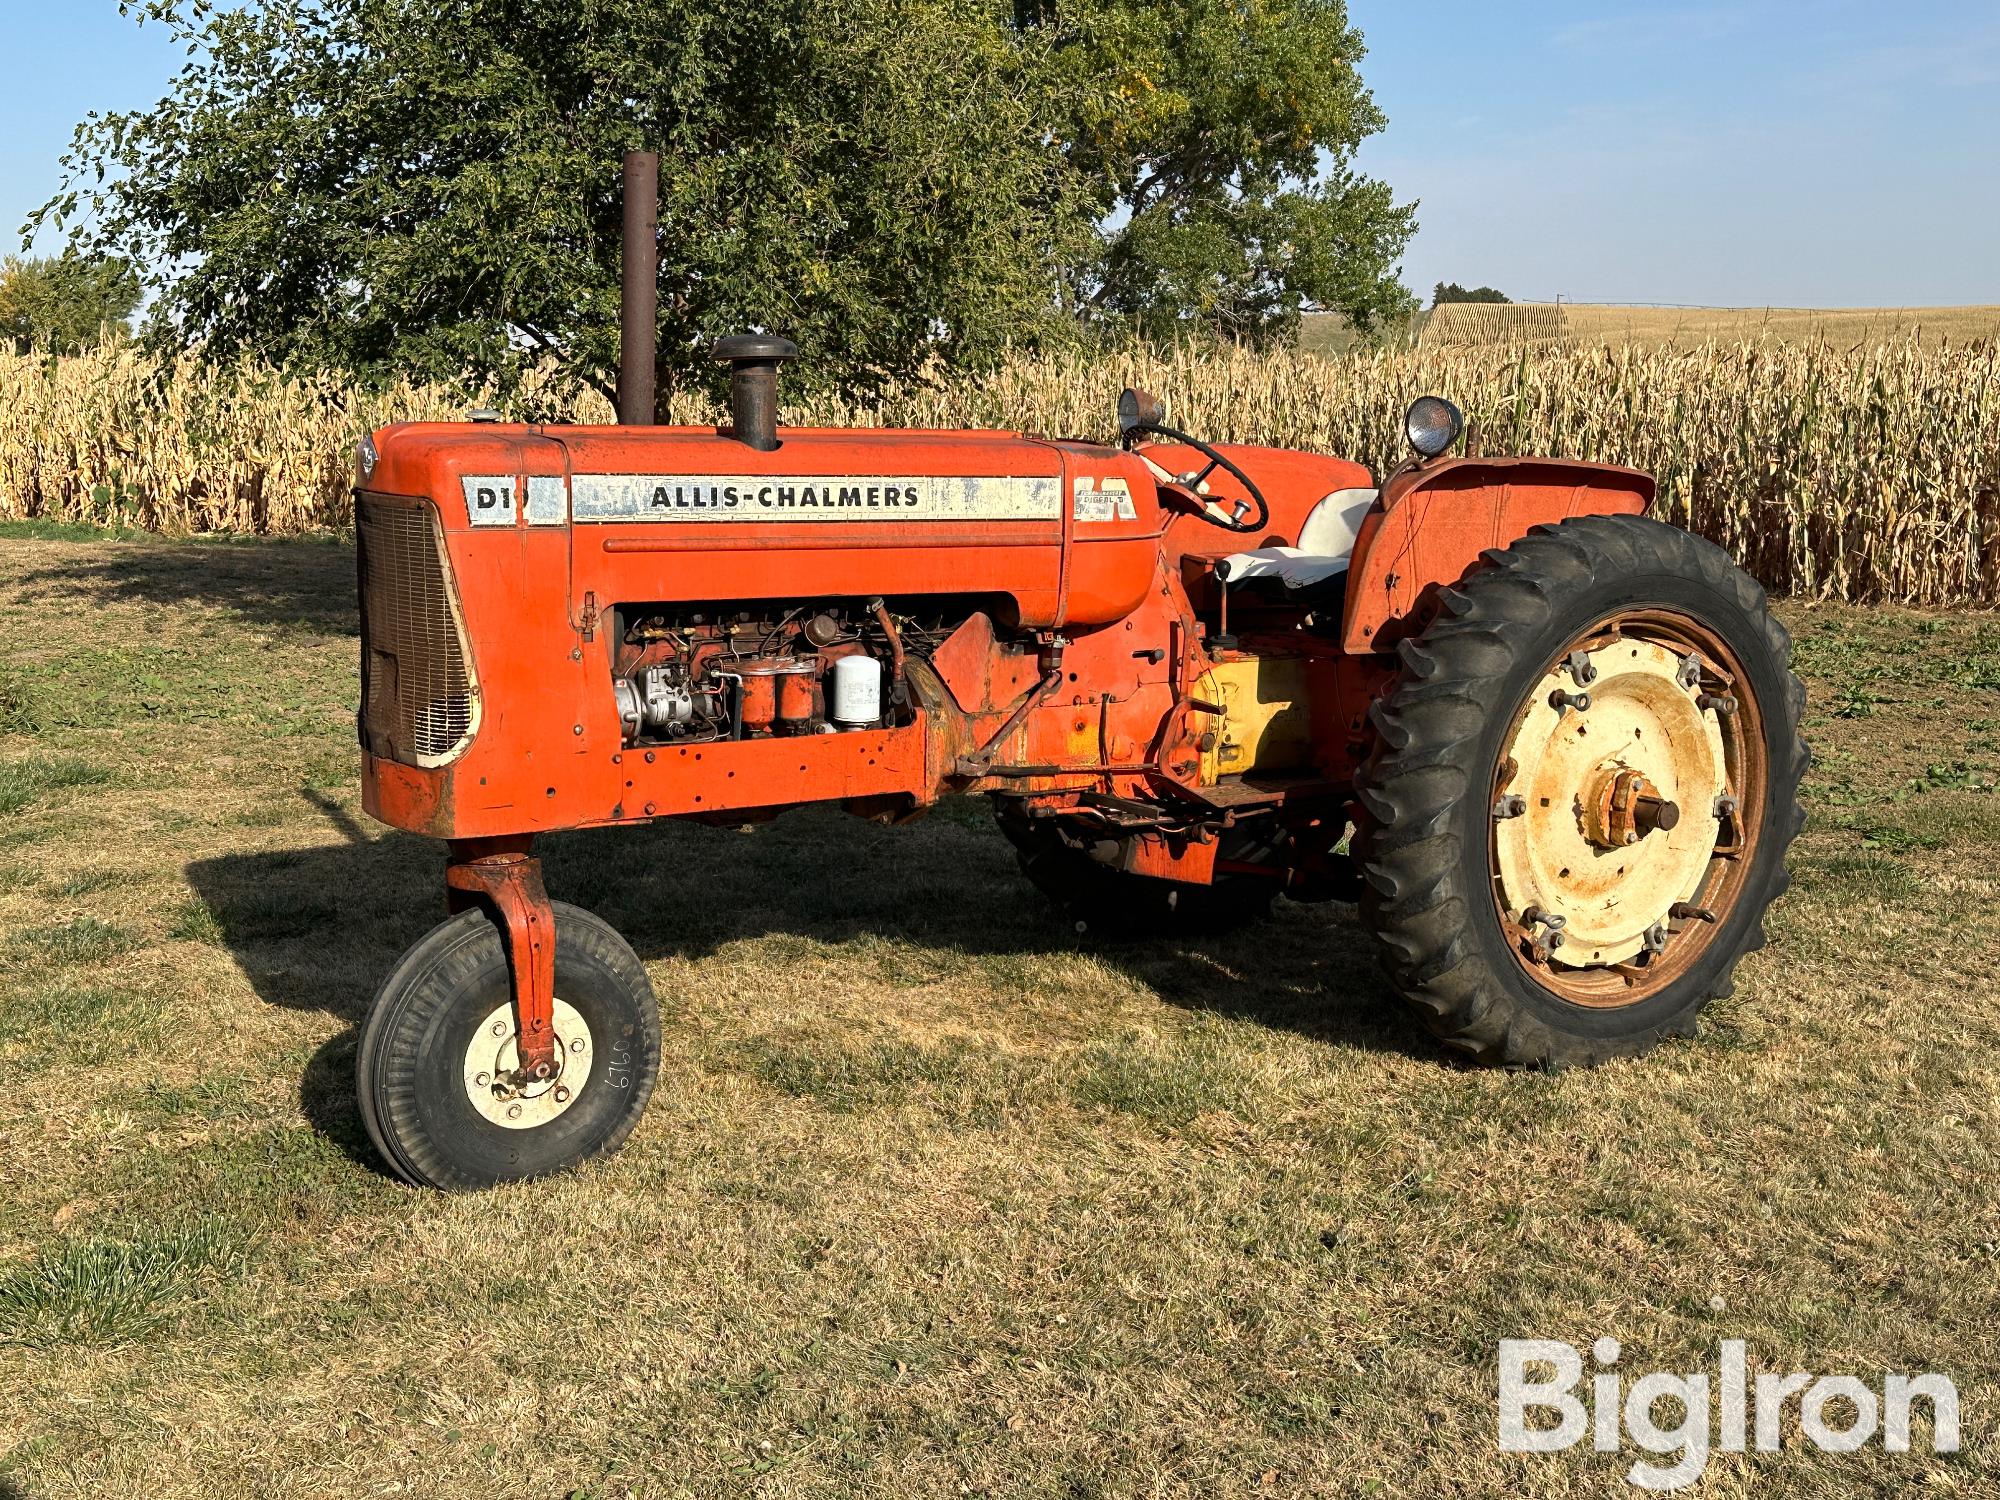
(1622, 832)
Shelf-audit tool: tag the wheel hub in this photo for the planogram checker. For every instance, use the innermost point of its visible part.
(493, 1061)
(1600, 838)
(1624, 807)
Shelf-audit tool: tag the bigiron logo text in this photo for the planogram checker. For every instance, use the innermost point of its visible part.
(1730, 1414)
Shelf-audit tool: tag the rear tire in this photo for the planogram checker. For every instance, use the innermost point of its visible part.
(1446, 734)
(437, 1012)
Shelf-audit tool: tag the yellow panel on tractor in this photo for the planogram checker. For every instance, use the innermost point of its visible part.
(1266, 723)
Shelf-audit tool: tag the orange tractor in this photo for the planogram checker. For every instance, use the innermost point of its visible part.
(1549, 745)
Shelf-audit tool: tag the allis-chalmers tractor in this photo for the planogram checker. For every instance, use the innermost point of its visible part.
(1550, 745)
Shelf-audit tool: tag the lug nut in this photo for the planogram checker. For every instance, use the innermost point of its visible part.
(1510, 807)
(1725, 807)
(513, 1111)
(1656, 940)
(562, 1094)
(483, 1079)
(577, 1045)
(1548, 941)
(499, 1028)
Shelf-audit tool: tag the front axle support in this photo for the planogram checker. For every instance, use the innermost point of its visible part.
(507, 882)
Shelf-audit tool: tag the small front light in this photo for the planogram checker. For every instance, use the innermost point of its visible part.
(1433, 425)
(365, 457)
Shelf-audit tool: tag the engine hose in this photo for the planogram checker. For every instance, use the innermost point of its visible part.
(896, 658)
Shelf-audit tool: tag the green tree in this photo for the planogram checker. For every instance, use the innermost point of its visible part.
(66, 301)
(1451, 291)
(431, 185)
(1218, 137)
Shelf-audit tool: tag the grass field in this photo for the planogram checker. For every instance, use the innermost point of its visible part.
(1590, 324)
(935, 1198)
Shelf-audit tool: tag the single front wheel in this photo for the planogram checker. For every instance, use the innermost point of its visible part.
(439, 1049)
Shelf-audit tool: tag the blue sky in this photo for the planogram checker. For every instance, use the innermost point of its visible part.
(1832, 153)
(1827, 154)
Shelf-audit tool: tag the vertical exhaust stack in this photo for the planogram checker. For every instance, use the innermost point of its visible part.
(753, 360)
(639, 299)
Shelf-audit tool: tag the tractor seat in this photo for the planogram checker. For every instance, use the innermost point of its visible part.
(1326, 543)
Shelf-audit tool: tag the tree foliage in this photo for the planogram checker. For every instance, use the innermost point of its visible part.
(431, 185)
(66, 301)
(1217, 137)
(1450, 291)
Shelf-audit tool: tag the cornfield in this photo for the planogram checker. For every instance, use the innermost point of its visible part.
(1866, 475)
(1458, 324)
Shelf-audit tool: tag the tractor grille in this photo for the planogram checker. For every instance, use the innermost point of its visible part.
(418, 703)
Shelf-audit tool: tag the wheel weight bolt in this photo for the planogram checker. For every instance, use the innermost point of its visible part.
(1725, 807)
(1722, 703)
(1559, 701)
(1685, 911)
(1509, 807)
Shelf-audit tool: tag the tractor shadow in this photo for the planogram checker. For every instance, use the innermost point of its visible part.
(300, 586)
(317, 928)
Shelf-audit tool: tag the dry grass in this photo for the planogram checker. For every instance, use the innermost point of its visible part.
(934, 1198)
(1864, 475)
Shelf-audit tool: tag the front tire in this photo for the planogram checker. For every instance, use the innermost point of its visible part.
(439, 1034)
(1491, 831)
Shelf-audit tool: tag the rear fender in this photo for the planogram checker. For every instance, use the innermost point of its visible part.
(1431, 524)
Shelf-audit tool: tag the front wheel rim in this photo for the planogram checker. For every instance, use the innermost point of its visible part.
(1626, 805)
(493, 1056)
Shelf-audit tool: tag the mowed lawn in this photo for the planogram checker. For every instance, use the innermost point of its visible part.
(935, 1198)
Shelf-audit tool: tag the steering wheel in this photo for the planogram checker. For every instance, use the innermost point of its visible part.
(1257, 521)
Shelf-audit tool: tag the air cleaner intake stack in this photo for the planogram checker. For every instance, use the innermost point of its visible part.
(753, 360)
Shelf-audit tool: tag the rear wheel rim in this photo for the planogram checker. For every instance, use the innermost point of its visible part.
(1622, 832)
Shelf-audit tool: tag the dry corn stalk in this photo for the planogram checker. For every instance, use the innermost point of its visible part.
(1869, 474)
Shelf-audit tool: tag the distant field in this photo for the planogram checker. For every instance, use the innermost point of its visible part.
(1654, 327)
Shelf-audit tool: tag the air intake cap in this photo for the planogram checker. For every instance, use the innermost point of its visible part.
(753, 360)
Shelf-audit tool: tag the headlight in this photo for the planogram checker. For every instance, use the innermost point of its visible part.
(365, 458)
(1433, 425)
